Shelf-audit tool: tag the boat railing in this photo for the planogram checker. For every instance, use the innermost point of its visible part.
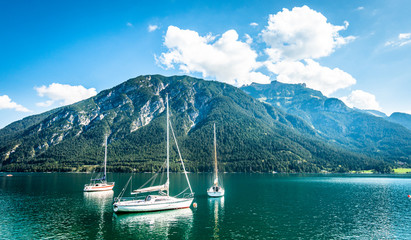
(121, 199)
(188, 195)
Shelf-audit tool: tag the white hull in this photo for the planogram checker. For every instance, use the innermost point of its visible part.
(215, 190)
(153, 203)
(98, 187)
(212, 193)
(138, 206)
(101, 184)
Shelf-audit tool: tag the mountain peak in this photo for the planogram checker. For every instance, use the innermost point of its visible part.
(307, 133)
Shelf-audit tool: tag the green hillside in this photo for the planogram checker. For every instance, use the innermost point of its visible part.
(251, 136)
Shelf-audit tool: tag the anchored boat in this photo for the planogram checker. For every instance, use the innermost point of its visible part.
(162, 200)
(215, 190)
(100, 184)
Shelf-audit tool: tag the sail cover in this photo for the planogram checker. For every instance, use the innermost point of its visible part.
(151, 189)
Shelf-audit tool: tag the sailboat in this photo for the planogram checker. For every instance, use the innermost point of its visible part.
(156, 202)
(215, 190)
(100, 184)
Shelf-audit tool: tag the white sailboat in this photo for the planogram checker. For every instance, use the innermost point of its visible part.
(162, 200)
(100, 184)
(215, 190)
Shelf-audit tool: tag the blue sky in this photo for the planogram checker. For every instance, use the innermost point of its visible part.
(54, 53)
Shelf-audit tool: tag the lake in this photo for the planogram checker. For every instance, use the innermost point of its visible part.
(256, 206)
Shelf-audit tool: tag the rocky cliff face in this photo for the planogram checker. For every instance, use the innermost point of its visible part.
(350, 128)
(296, 134)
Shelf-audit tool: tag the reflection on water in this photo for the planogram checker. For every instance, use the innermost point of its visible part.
(100, 200)
(163, 224)
(216, 206)
(53, 206)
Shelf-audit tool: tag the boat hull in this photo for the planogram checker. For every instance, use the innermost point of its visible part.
(215, 194)
(98, 187)
(212, 193)
(140, 206)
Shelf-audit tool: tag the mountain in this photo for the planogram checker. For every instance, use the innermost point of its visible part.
(372, 112)
(401, 118)
(252, 136)
(331, 119)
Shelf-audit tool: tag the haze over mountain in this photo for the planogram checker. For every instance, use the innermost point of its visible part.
(300, 130)
(352, 129)
(401, 118)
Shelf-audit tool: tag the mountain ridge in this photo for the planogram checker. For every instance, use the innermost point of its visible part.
(253, 136)
(356, 130)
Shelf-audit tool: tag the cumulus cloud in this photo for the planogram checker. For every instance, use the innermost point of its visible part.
(360, 8)
(152, 28)
(300, 34)
(248, 39)
(253, 24)
(6, 103)
(310, 72)
(227, 58)
(294, 38)
(362, 100)
(402, 39)
(63, 94)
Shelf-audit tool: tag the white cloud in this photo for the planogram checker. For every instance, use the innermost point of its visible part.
(227, 58)
(362, 100)
(253, 24)
(63, 94)
(248, 39)
(129, 24)
(310, 72)
(294, 38)
(402, 39)
(152, 28)
(6, 103)
(300, 34)
(360, 8)
(403, 36)
(45, 104)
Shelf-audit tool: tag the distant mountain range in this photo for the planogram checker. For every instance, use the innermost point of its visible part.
(403, 119)
(369, 132)
(275, 127)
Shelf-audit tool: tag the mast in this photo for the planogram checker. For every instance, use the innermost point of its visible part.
(215, 159)
(168, 151)
(105, 159)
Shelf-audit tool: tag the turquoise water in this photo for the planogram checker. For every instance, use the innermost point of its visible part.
(256, 206)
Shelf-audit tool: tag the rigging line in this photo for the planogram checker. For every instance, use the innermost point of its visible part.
(162, 171)
(149, 180)
(153, 178)
(124, 189)
(181, 192)
(181, 159)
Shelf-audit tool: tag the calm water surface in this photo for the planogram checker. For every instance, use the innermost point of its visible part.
(256, 206)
